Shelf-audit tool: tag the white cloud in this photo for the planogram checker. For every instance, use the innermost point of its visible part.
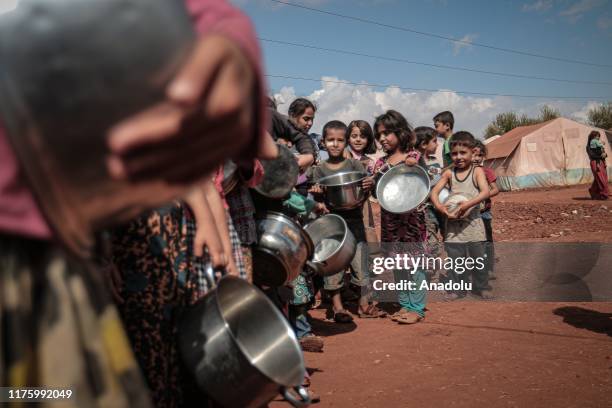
(578, 9)
(463, 42)
(581, 114)
(540, 5)
(7, 5)
(346, 102)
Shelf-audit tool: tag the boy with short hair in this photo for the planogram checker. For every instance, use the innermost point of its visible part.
(335, 138)
(465, 233)
(444, 123)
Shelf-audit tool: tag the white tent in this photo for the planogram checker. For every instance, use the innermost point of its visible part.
(490, 139)
(548, 154)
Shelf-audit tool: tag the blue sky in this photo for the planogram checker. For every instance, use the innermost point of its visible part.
(574, 29)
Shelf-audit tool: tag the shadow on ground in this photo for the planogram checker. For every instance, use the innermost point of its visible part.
(582, 318)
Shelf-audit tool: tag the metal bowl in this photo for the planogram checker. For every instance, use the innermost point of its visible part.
(344, 191)
(334, 244)
(454, 200)
(240, 347)
(443, 196)
(282, 250)
(403, 188)
(280, 174)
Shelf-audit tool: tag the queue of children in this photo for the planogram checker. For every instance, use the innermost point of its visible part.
(159, 260)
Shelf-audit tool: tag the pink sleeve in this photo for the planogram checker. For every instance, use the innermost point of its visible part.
(490, 173)
(220, 17)
(258, 173)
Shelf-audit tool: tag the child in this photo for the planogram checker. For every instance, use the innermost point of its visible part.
(465, 237)
(361, 143)
(597, 157)
(427, 144)
(398, 141)
(478, 158)
(335, 139)
(444, 123)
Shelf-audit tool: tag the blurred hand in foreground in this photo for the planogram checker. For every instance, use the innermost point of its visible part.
(208, 115)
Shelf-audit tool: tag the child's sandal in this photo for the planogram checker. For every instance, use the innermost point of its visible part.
(371, 312)
(409, 318)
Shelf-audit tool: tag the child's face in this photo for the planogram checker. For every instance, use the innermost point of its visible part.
(335, 142)
(477, 156)
(357, 141)
(304, 121)
(441, 128)
(388, 140)
(462, 156)
(430, 147)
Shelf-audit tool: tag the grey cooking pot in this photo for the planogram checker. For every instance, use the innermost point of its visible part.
(240, 348)
(282, 250)
(280, 174)
(69, 71)
(334, 244)
(403, 188)
(344, 191)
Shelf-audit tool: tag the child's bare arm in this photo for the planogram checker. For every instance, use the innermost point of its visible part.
(218, 212)
(493, 189)
(207, 235)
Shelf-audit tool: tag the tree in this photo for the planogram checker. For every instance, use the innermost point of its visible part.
(505, 122)
(601, 116)
(548, 113)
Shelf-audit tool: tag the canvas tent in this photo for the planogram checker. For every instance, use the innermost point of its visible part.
(547, 154)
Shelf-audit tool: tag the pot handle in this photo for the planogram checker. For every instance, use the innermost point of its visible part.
(314, 267)
(304, 400)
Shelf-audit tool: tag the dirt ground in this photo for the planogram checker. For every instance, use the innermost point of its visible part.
(477, 353)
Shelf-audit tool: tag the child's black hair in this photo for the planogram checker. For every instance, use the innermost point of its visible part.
(462, 138)
(366, 131)
(483, 147)
(593, 135)
(395, 122)
(424, 134)
(334, 124)
(299, 106)
(446, 118)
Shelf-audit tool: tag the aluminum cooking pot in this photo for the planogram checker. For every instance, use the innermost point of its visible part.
(403, 188)
(334, 244)
(280, 174)
(282, 250)
(344, 191)
(70, 70)
(240, 348)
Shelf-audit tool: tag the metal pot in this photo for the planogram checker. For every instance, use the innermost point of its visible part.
(334, 244)
(240, 348)
(282, 250)
(443, 196)
(231, 177)
(344, 191)
(403, 188)
(71, 70)
(280, 174)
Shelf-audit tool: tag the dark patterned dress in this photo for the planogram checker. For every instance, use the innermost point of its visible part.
(405, 234)
(155, 258)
